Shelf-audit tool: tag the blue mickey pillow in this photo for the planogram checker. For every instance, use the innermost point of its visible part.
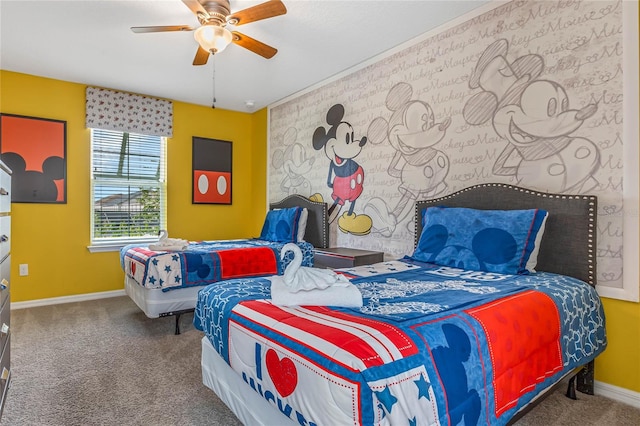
(499, 241)
(282, 225)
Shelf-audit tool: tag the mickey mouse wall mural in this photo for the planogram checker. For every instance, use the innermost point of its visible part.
(346, 176)
(296, 163)
(535, 118)
(35, 151)
(412, 131)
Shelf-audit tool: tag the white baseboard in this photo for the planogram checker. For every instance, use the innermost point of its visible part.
(67, 299)
(616, 393)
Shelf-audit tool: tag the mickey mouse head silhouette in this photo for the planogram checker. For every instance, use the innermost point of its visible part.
(451, 359)
(488, 246)
(32, 185)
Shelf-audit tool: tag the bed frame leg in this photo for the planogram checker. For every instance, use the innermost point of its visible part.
(586, 378)
(176, 314)
(571, 388)
(178, 324)
(583, 381)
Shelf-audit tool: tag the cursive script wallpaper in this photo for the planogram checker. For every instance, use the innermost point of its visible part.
(526, 92)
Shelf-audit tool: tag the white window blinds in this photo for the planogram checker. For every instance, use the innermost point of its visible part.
(128, 186)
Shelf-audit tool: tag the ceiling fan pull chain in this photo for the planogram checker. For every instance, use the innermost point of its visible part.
(213, 104)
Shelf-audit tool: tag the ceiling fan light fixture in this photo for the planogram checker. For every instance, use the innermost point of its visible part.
(213, 38)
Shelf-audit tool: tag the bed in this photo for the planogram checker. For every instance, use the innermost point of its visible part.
(447, 335)
(166, 283)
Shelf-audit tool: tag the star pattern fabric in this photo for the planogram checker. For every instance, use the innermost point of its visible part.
(423, 388)
(387, 399)
(406, 397)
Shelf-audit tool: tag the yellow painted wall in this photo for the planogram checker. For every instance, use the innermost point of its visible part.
(619, 365)
(259, 161)
(53, 238)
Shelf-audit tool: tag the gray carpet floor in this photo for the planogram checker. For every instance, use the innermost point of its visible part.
(104, 362)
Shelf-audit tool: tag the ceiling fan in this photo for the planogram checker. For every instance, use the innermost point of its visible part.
(213, 36)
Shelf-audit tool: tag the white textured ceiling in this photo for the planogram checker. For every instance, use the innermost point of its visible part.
(90, 42)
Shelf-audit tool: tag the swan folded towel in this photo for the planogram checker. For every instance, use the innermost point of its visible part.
(301, 285)
(347, 296)
(168, 244)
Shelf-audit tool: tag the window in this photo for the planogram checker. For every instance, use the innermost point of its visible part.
(128, 187)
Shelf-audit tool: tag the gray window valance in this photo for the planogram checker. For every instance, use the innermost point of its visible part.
(126, 112)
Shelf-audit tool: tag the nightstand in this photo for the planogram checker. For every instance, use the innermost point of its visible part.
(342, 257)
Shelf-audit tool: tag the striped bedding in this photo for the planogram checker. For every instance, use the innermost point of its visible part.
(431, 345)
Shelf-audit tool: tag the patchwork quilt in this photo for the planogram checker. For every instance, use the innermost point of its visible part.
(207, 262)
(431, 345)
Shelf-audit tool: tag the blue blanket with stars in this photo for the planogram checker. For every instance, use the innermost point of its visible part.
(207, 262)
(430, 345)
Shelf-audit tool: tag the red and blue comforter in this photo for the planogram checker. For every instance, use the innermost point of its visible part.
(431, 345)
(207, 262)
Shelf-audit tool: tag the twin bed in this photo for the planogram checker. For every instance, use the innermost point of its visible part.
(491, 311)
(166, 283)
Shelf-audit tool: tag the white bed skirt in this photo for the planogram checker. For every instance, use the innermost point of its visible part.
(245, 403)
(154, 301)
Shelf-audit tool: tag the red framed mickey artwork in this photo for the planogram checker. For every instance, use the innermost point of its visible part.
(35, 149)
(211, 171)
